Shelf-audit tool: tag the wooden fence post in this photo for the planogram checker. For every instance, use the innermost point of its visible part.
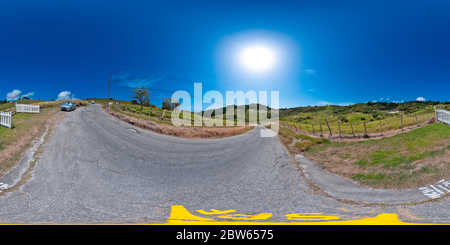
(339, 124)
(313, 128)
(428, 117)
(307, 129)
(417, 124)
(353, 131)
(401, 121)
(328, 128)
(301, 130)
(381, 129)
(295, 127)
(321, 133)
(365, 130)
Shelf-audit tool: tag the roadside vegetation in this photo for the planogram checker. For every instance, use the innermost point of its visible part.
(359, 119)
(165, 126)
(25, 127)
(409, 160)
(12, 104)
(142, 113)
(297, 143)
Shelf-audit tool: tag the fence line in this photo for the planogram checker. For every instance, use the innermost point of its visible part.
(443, 116)
(6, 119)
(10, 109)
(27, 108)
(357, 130)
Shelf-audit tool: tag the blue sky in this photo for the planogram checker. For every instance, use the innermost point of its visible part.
(323, 52)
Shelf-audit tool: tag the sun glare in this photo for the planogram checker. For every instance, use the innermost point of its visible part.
(259, 58)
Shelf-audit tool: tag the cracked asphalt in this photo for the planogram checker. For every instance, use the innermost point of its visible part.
(98, 169)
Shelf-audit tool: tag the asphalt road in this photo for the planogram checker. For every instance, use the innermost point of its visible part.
(98, 169)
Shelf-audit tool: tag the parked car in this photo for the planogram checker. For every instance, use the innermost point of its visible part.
(68, 106)
(92, 102)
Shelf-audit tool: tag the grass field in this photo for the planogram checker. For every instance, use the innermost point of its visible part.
(166, 127)
(25, 127)
(390, 123)
(409, 160)
(375, 116)
(27, 102)
(14, 142)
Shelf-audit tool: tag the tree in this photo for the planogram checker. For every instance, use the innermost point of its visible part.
(142, 95)
(170, 104)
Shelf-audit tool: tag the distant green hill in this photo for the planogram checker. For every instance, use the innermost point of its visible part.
(367, 112)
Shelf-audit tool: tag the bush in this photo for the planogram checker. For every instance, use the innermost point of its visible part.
(303, 145)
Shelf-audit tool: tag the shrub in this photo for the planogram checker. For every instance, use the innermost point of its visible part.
(303, 145)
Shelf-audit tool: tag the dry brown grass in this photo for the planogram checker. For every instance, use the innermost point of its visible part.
(18, 139)
(58, 103)
(412, 160)
(182, 132)
(361, 137)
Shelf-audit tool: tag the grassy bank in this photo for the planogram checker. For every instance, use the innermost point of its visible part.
(297, 143)
(413, 159)
(165, 126)
(373, 118)
(14, 142)
(25, 127)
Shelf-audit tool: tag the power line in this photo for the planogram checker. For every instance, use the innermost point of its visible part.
(158, 66)
(173, 92)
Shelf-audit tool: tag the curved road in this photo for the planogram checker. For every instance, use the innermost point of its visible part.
(98, 169)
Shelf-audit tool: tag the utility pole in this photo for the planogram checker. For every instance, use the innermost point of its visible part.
(109, 86)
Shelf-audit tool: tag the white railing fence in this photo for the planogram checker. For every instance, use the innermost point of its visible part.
(27, 108)
(6, 119)
(443, 116)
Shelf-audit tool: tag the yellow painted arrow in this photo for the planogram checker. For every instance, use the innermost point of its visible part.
(180, 216)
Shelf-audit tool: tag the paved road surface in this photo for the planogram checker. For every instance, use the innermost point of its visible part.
(97, 169)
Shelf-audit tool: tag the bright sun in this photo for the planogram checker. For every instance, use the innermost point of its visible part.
(259, 58)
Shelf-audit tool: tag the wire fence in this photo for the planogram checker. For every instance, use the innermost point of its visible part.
(363, 129)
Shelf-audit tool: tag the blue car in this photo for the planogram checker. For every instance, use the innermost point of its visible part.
(68, 106)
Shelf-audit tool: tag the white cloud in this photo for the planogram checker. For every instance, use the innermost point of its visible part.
(381, 99)
(64, 95)
(311, 90)
(387, 99)
(421, 99)
(16, 94)
(308, 71)
(324, 103)
(345, 103)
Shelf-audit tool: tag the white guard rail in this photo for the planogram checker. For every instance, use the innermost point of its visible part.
(6, 119)
(27, 108)
(443, 116)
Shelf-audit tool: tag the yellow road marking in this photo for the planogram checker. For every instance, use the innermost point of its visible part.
(310, 216)
(180, 216)
(246, 216)
(215, 211)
